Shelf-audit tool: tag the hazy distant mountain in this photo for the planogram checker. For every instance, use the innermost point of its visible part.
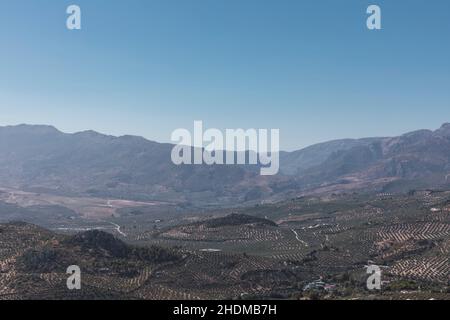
(298, 162)
(43, 159)
(416, 159)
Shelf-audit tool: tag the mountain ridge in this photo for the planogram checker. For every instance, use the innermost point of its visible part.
(89, 163)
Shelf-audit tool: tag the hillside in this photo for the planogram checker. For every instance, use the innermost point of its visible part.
(43, 159)
(33, 264)
(418, 159)
(238, 220)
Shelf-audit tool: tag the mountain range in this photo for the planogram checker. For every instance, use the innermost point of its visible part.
(43, 159)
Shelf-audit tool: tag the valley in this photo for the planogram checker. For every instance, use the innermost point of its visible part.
(267, 251)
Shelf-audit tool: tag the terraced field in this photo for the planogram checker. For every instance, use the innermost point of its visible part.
(267, 251)
(402, 234)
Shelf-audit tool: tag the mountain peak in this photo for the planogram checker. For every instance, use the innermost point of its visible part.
(444, 130)
(90, 134)
(30, 128)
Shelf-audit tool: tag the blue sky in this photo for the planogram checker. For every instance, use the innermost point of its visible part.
(310, 68)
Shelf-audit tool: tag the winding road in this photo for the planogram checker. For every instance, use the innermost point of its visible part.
(118, 229)
(298, 238)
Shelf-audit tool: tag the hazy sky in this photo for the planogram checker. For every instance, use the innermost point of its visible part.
(310, 68)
